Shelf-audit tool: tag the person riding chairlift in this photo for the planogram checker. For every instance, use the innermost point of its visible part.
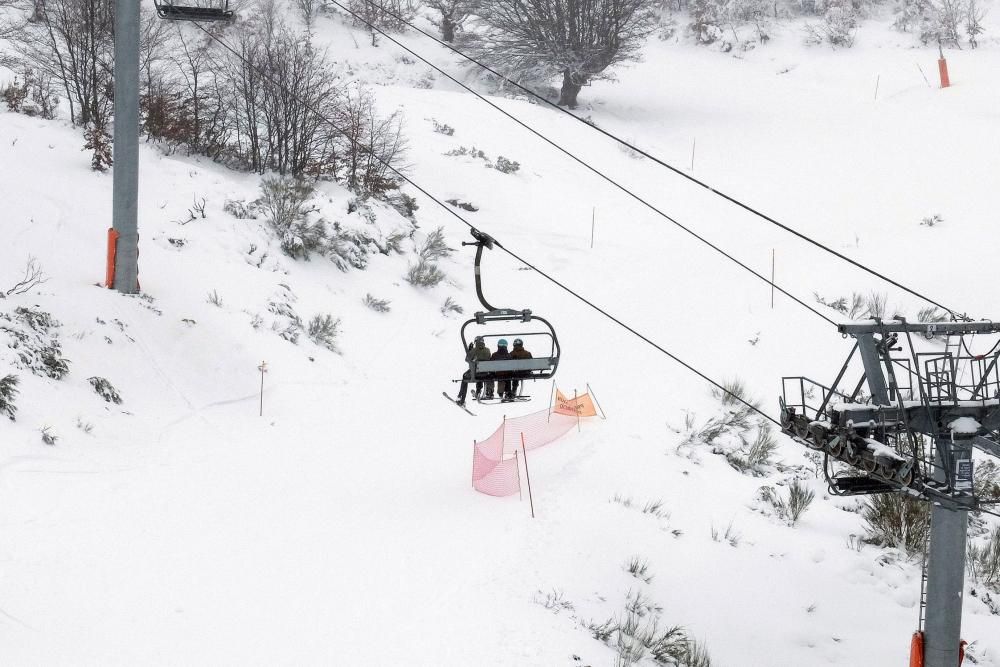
(503, 384)
(518, 353)
(479, 352)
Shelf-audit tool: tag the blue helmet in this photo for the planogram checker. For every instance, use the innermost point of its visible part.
(502, 342)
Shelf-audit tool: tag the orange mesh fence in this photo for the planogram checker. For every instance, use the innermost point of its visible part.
(495, 469)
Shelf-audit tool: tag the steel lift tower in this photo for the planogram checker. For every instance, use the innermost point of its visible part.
(930, 401)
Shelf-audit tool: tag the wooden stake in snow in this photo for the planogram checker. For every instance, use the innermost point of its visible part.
(877, 79)
(593, 225)
(527, 477)
(263, 369)
(772, 278)
(693, 145)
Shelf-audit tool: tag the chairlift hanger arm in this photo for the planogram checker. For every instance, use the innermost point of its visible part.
(482, 241)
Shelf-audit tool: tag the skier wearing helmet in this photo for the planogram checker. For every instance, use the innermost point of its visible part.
(503, 384)
(479, 352)
(518, 353)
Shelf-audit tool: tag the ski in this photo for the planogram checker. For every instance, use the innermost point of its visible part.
(445, 394)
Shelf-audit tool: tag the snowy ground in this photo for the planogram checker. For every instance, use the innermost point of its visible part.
(340, 528)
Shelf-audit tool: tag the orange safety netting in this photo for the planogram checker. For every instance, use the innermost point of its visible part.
(495, 467)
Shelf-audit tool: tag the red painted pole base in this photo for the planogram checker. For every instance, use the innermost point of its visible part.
(943, 71)
(109, 280)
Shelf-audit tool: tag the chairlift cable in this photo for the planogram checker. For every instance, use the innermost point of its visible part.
(731, 199)
(587, 165)
(512, 254)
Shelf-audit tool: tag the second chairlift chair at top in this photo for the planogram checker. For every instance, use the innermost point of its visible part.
(194, 10)
(539, 367)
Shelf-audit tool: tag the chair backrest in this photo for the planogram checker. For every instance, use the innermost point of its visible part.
(513, 365)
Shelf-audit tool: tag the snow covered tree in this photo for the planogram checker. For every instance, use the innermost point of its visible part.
(383, 14)
(453, 14)
(577, 39)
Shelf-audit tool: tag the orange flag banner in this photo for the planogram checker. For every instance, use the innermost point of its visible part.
(582, 406)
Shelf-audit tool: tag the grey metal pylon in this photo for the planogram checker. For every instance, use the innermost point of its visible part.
(125, 207)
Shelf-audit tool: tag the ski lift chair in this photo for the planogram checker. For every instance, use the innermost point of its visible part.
(194, 10)
(536, 368)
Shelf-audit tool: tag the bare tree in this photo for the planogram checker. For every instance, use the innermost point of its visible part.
(578, 39)
(73, 42)
(453, 14)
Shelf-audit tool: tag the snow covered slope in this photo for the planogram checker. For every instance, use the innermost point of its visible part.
(340, 528)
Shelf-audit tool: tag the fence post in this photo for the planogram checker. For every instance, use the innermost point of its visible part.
(527, 476)
(518, 466)
(594, 396)
(576, 409)
(552, 396)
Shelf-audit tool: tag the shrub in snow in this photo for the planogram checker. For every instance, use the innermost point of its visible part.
(31, 94)
(442, 128)
(638, 567)
(638, 635)
(506, 166)
(896, 520)
(98, 141)
(753, 456)
(8, 394)
(984, 560)
(214, 299)
(792, 508)
(394, 243)
(323, 330)
(283, 202)
(464, 205)
(378, 305)
(287, 323)
(553, 601)
(105, 390)
(450, 306)
(424, 274)
(404, 204)
(986, 480)
(239, 208)
(32, 277)
(48, 437)
(435, 247)
(839, 25)
(931, 220)
(35, 344)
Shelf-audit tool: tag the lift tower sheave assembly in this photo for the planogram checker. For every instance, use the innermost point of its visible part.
(913, 432)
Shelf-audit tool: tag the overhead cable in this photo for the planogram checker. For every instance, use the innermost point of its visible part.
(731, 199)
(511, 253)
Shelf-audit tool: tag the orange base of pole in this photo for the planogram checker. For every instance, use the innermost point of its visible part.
(943, 71)
(917, 650)
(109, 280)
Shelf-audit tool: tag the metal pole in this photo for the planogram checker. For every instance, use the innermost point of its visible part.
(263, 369)
(125, 208)
(873, 369)
(946, 562)
(594, 396)
(527, 477)
(576, 408)
(593, 226)
(552, 397)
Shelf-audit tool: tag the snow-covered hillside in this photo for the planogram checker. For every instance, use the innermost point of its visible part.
(181, 528)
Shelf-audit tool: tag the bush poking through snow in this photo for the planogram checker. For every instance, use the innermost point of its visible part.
(34, 342)
(240, 209)
(505, 166)
(435, 247)
(48, 437)
(323, 330)
(931, 220)
(86, 427)
(554, 601)
(283, 202)
(753, 456)
(443, 128)
(637, 635)
(214, 299)
(986, 480)
(792, 509)
(896, 520)
(105, 390)
(730, 535)
(32, 277)
(378, 305)
(451, 306)
(8, 394)
(984, 561)
(638, 567)
(98, 141)
(424, 274)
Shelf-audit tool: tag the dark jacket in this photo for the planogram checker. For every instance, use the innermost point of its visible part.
(501, 354)
(520, 353)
